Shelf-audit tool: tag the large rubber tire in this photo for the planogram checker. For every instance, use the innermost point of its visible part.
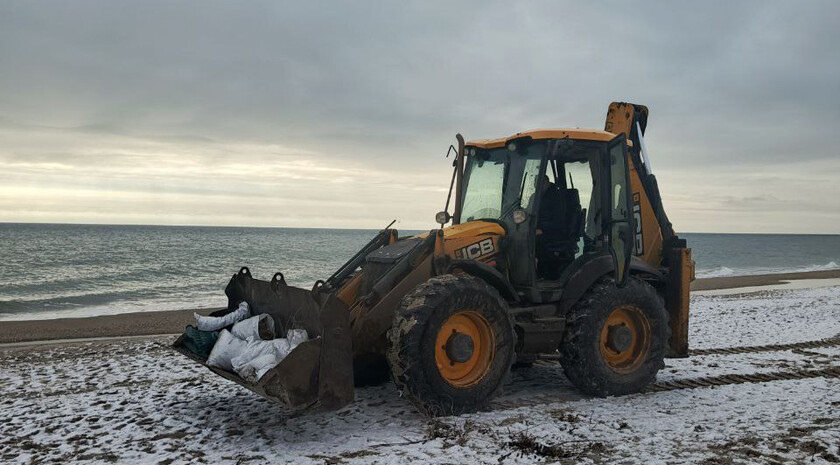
(583, 357)
(414, 335)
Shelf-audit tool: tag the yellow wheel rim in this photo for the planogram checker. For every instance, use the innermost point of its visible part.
(466, 371)
(625, 339)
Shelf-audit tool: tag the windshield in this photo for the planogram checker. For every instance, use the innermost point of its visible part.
(497, 181)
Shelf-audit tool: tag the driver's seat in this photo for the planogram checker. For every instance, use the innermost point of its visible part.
(562, 242)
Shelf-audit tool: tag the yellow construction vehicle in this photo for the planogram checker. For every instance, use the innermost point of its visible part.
(559, 248)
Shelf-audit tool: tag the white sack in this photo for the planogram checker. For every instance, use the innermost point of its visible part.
(258, 357)
(252, 350)
(296, 336)
(215, 323)
(262, 365)
(256, 368)
(226, 348)
(249, 328)
(283, 347)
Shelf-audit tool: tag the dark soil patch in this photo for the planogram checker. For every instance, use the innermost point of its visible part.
(526, 444)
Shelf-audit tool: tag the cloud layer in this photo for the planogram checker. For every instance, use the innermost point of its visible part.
(338, 114)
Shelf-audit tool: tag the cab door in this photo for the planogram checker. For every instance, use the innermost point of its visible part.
(619, 225)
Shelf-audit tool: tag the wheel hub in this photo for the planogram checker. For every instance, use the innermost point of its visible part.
(619, 338)
(464, 348)
(625, 339)
(460, 347)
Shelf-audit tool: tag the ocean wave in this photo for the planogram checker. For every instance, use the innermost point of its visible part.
(723, 271)
(718, 272)
(11, 311)
(827, 266)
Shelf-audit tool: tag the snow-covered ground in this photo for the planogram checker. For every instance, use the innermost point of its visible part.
(136, 401)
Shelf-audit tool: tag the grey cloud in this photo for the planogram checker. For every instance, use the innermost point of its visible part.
(383, 85)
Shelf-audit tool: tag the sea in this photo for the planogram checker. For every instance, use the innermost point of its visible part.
(61, 270)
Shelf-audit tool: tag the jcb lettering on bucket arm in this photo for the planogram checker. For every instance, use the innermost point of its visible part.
(558, 247)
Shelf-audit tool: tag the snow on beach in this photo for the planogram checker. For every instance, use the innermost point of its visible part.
(136, 401)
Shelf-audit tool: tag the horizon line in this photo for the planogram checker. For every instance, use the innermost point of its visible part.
(346, 228)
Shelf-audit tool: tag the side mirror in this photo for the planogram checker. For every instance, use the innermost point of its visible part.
(442, 218)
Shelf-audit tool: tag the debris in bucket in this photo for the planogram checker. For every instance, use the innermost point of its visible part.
(200, 342)
(244, 351)
(225, 349)
(215, 323)
(280, 352)
(256, 355)
(254, 328)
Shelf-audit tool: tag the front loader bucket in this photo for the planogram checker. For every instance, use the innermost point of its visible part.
(317, 374)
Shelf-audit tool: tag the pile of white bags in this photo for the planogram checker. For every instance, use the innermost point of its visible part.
(246, 352)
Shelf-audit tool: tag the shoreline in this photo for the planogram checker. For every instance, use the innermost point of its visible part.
(103, 326)
(174, 321)
(774, 279)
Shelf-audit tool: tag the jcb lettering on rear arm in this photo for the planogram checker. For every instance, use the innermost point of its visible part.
(639, 246)
(476, 250)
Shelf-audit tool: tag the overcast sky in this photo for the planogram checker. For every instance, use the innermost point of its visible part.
(339, 114)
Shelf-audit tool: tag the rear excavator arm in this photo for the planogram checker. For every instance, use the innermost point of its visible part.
(652, 226)
(655, 241)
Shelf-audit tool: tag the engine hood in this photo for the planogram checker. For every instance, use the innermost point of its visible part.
(472, 229)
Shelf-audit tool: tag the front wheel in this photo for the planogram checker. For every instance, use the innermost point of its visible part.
(451, 345)
(616, 338)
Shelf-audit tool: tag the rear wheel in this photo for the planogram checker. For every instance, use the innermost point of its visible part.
(451, 345)
(616, 338)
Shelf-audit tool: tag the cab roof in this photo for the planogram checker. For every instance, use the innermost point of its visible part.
(536, 134)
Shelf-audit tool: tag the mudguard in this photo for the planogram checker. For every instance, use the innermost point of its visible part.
(318, 374)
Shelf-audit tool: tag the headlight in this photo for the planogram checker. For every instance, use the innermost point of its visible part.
(519, 216)
(442, 218)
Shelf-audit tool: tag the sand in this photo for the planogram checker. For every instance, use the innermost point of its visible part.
(122, 325)
(136, 401)
(173, 322)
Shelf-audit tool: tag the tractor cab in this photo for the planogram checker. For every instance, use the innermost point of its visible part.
(562, 197)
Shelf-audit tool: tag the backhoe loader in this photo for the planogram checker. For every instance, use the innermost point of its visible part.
(557, 247)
